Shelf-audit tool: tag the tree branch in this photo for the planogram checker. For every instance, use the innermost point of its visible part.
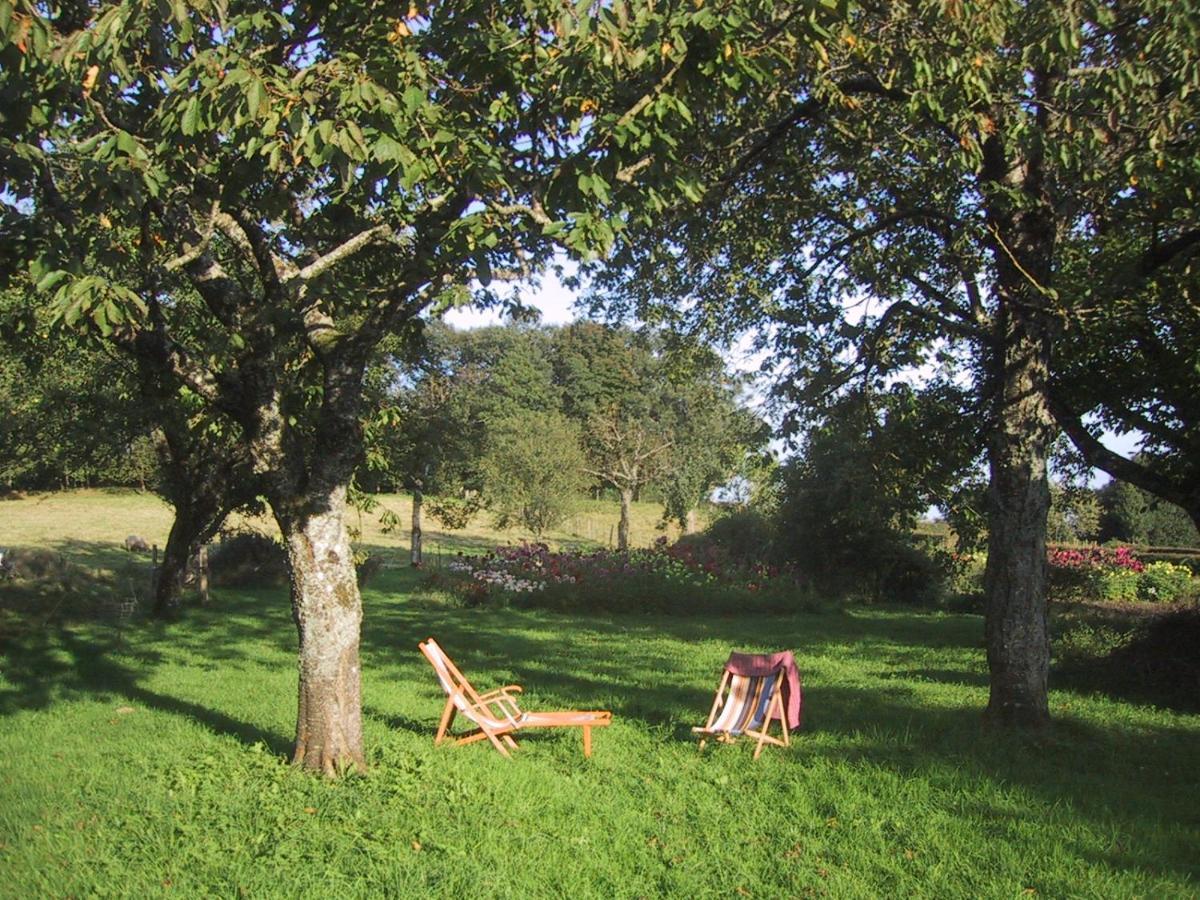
(339, 253)
(1160, 256)
(1101, 457)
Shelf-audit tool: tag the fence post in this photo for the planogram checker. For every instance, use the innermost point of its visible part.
(154, 570)
(202, 574)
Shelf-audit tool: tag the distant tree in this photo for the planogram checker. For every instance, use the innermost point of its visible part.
(652, 414)
(714, 436)
(625, 451)
(1139, 517)
(533, 470)
(1074, 514)
(863, 477)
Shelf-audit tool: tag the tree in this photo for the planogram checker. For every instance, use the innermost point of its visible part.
(1131, 514)
(1074, 514)
(714, 437)
(77, 413)
(533, 470)
(903, 188)
(862, 478)
(246, 199)
(614, 386)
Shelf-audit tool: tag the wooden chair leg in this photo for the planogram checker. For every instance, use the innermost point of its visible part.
(587, 741)
(498, 744)
(444, 724)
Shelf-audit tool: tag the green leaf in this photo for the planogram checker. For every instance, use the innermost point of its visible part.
(190, 123)
(51, 279)
(414, 98)
(254, 97)
(483, 269)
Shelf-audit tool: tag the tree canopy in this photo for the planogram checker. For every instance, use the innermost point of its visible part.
(916, 186)
(247, 198)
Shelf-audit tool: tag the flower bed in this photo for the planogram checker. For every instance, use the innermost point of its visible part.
(675, 579)
(1100, 573)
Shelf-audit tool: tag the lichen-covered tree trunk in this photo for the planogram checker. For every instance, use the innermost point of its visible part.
(623, 524)
(327, 610)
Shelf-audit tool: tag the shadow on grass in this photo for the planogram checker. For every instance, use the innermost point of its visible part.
(68, 665)
(892, 710)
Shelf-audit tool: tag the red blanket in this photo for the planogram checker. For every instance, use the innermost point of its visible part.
(755, 665)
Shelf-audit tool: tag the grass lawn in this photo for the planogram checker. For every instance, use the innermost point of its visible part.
(149, 760)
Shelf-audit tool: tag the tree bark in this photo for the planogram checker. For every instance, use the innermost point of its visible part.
(418, 500)
(1018, 644)
(327, 610)
(1022, 428)
(202, 496)
(691, 522)
(623, 525)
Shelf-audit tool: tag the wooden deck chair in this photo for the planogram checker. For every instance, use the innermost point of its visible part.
(496, 715)
(746, 704)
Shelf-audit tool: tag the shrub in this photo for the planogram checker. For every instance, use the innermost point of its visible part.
(1116, 584)
(913, 576)
(34, 563)
(1164, 581)
(1093, 573)
(745, 535)
(246, 558)
(683, 579)
(1086, 642)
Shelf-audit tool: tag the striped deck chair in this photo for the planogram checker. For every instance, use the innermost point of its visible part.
(496, 715)
(746, 704)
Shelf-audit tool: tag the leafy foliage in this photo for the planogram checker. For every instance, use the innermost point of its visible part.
(533, 471)
(852, 496)
(1134, 515)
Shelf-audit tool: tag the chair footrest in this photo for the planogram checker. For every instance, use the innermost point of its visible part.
(567, 718)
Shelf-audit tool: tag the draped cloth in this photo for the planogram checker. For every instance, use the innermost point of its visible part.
(757, 665)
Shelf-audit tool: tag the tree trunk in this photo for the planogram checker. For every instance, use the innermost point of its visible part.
(418, 500)
(195, 523)
(623, 525)
(1018, 644)
(691, 522)
(168, 586)
(327, 610)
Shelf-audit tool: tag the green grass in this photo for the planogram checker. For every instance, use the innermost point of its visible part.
(149, 759)
(85, 522)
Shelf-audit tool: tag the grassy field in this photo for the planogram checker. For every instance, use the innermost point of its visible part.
(148, 759)
(90, 521)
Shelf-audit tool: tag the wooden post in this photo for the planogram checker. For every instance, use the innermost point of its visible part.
(154, 570)
(202, 573)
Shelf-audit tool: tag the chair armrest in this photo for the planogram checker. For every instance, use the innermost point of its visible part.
(501, 692)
